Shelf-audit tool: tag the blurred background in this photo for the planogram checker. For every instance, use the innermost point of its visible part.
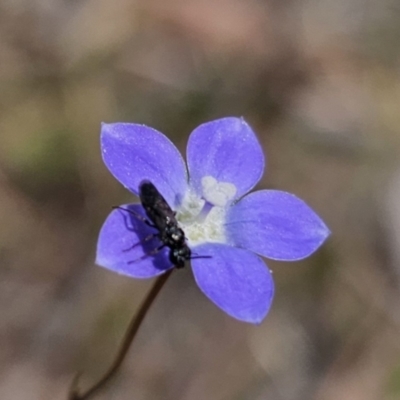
(319, 81)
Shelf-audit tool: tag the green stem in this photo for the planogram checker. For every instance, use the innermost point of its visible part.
(125, 345)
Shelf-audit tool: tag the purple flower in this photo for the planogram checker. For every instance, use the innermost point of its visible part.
(220, 220)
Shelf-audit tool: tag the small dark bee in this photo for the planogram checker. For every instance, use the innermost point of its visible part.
(162, 218)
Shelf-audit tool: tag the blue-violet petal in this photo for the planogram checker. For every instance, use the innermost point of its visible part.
(228, 151)
(116, 250)
(236, 280)
(276, 225)
(134, 152)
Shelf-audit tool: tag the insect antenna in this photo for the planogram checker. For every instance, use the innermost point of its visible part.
(194, 257)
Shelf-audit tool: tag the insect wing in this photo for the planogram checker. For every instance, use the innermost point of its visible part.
(156, 207)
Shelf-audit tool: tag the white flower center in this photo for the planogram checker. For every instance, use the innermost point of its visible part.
(217, 193)
(202, 219)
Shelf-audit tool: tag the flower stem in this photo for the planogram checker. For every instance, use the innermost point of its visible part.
(130, 335)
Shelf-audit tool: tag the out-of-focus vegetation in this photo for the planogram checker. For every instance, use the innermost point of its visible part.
(319, 81)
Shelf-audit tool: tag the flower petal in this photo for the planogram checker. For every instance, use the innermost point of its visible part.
(225, 149)
(276, 225)
(115, 251)
(134, 152)
(236, 280)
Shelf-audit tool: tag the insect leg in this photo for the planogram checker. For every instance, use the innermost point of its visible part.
(135, 214)
(146, 239)
(155, 251)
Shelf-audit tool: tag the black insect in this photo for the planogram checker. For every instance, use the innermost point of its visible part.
(162, 218)
(161, 215)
